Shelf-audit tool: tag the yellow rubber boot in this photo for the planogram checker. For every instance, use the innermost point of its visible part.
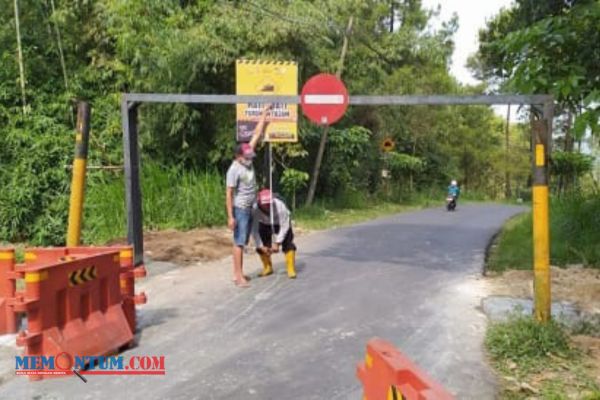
(290, 259)
(267, 265)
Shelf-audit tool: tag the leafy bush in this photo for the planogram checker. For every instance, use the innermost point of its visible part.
(171, 198)
(34, 154)
(291, 181)
(567, 167)
(347, 161)
(404, 164)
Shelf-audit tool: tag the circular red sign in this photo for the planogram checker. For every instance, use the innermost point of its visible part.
(324, 99)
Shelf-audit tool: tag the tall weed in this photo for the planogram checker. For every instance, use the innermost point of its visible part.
(171, 198)
(574, 236)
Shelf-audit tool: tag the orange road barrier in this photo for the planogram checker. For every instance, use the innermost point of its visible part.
(127, 282)
(8, 277)
(75, 302)
(386, 374)
(126, 279)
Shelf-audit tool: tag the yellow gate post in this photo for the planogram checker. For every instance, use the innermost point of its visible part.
(541, 131)
(79, 170)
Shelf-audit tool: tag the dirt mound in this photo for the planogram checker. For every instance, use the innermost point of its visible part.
(577, 285)
(188, 247)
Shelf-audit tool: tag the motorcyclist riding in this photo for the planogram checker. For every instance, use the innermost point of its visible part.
(453, 194)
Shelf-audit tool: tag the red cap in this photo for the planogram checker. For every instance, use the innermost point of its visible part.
(265, 198)
(245, 150)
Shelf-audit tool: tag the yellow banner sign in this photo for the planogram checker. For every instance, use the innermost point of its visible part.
(267, 78)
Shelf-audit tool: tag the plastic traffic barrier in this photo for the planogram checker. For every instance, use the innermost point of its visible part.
(8, 277)
(127, 276)
(73, 303)
(386, 374)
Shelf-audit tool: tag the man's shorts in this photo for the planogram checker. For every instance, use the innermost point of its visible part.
(266, 233)
(243, 226)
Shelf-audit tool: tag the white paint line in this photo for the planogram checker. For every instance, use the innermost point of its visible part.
(324, 99)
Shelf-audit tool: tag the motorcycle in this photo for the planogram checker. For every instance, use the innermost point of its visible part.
(450, 203)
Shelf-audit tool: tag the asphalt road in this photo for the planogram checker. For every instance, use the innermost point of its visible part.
(412, 279)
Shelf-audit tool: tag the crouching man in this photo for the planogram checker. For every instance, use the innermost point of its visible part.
(281, 228)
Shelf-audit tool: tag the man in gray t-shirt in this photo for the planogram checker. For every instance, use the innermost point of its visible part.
(240, 197)
(242, 179)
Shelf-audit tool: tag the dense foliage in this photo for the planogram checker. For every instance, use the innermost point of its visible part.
(553, 47)
(96, 49)
(550, 47)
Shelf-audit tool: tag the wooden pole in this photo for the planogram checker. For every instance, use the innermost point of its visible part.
(317, 168)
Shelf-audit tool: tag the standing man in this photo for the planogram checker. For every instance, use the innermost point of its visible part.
(240, 196)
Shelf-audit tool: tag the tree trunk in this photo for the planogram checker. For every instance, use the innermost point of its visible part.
(411, 174)
(60, 49)
(315, 176)
(569, 179)
(508, 189)
(392, 16)
(20, 57)
(568, 136)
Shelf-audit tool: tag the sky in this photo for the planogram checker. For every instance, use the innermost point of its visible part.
(472, 15)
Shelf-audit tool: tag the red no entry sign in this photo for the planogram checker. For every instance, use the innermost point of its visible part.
(324, 99)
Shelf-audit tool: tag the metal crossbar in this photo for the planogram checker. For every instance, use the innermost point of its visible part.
(131, 101)
(354, 100)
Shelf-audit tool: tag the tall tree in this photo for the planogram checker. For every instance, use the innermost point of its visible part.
(20, 56)
(547, 47)
(60, 46)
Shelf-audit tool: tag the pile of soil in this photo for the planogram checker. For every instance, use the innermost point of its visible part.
(189, 247)
(577, 285)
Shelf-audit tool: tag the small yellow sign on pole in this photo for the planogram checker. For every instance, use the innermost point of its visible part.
(387, 145)
(540, 155)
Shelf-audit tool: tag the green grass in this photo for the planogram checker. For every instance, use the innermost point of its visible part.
(523, 350)
(527, 343)
(513, 248)
(171, 199)
(321, 216)
(574, 236)
(354, 207)
(174, 198)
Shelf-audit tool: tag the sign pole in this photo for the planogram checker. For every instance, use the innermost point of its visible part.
(541, 131)
(317, 168)
(271, 219)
